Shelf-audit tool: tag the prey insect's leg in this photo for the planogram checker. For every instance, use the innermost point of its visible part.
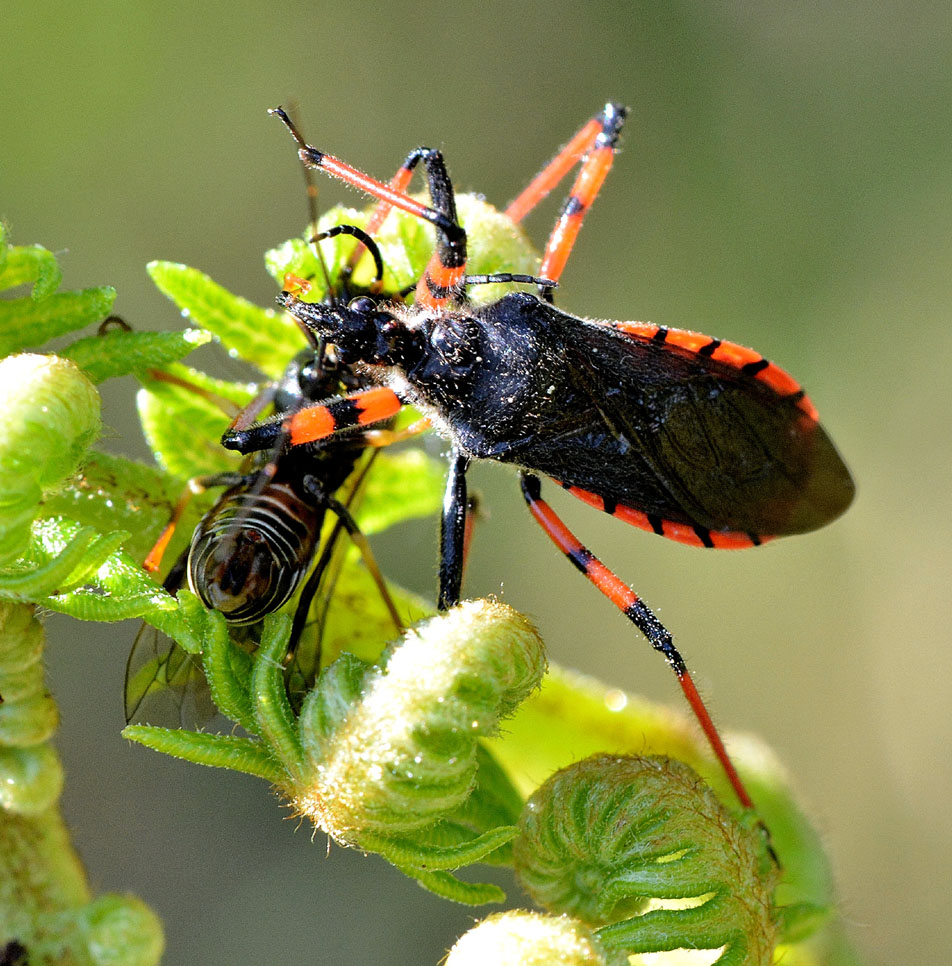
(370, 561)
(195, 486)
(227, 406)
(628, 602)
(241, 420)
(378, 438)
(345, 521)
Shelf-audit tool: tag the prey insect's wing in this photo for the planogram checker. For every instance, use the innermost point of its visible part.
(165, 685)
(304, 664)
(317, 597)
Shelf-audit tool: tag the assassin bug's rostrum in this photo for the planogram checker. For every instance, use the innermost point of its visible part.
(697, 439)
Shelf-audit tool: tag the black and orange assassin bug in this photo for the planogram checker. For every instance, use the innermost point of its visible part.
(693, 438)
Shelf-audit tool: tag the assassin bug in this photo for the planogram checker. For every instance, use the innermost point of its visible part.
(251, 551)
(693, 438)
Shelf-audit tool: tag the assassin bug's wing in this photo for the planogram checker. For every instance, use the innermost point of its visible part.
(678, 428)
(729, 439)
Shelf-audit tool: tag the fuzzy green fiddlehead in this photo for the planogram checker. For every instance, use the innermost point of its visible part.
(385, 758)
(28, 715)
(404, 753)
(47, 915)
(51, 415)
(521, 938)
(643, 850)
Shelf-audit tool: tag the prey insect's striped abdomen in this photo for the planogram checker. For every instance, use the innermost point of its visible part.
(249, 555)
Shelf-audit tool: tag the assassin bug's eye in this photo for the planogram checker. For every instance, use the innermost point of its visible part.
(362, 304)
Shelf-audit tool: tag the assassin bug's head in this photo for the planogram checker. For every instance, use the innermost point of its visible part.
(361, 331)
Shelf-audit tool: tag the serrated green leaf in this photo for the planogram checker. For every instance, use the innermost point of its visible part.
(114, 492)
(216, 751)
(119, 353)
(114, 586)
(228, 669)
(41, 571)
(119, 591)
(406, 244)
(186, 624)
(447, 886)
(263, 337)
(31, 263)
(183, 429)
(26, 324)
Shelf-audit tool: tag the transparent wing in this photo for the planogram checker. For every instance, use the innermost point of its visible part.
(165, 685)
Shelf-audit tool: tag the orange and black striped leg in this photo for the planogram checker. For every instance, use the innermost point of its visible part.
(319, 422)
(443, 281)
(399, 182)
(453, 532)
(595, 167)
(628, 602)
(573, 152)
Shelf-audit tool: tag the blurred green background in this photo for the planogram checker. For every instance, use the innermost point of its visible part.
(785, 182)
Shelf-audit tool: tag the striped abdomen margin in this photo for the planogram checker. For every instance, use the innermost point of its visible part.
(248, 556)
